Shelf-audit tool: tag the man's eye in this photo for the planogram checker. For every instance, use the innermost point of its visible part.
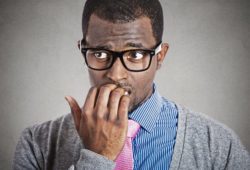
(136, 55)
(100, 55)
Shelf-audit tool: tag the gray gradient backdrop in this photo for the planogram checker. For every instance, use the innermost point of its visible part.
(207, 68)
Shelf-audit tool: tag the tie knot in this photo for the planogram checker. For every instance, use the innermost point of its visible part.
(133, 128)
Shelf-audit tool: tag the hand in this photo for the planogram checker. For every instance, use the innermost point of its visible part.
(103, 121)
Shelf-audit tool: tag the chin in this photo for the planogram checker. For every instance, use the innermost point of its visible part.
(133, 105)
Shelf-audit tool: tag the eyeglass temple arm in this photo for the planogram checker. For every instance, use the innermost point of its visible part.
(158, 48)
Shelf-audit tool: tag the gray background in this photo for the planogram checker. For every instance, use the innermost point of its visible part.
(207, 67)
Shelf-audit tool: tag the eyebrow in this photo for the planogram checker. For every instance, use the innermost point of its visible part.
(107, 47)
(135, 45)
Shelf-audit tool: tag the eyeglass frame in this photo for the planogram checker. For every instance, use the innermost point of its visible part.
(120, 54)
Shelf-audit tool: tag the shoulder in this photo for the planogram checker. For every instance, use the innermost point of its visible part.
(209, 141)
(199, 124)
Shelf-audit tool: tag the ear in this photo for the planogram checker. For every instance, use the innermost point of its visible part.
(79, 44)
(161, 55)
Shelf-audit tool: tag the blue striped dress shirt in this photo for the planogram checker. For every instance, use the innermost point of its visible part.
(153, 145)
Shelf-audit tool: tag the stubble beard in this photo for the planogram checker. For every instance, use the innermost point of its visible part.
(136, 102)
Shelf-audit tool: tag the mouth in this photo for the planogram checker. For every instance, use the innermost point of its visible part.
(126, 87)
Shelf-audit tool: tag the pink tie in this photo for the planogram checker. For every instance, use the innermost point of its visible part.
(125, 160)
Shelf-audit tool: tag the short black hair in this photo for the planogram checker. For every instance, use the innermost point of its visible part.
(124, 11)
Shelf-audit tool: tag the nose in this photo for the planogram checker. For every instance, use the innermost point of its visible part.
(117, 72)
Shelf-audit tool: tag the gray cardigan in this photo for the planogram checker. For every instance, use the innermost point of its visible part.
(201, 143)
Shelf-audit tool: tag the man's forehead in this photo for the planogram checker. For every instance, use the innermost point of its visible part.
(134, 33)
(95, 19)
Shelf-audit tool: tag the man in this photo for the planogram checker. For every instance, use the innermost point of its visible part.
(123, 50)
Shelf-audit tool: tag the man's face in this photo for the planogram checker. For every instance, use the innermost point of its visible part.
(121, 37)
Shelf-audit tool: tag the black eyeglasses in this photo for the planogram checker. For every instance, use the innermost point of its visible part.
(135, 60)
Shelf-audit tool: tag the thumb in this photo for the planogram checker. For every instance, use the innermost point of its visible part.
(75, 110)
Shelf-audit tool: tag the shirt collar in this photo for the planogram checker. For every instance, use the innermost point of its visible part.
(147, 114)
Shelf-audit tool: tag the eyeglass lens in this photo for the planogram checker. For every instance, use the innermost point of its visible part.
(133, 60)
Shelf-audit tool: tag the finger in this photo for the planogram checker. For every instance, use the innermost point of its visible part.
(90, 99)
(114, 101)
(123, 110)
(102, 99)
(75, 110)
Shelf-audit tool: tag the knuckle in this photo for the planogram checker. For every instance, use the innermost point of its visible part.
(100, 112)
(123, 103)
(122, 109)
(104, 88)
(99, 116)
(106, 85)
(122, 125)
(85, 111)
(112, 119)
(125, 100)
(116, 93)
(112, 100)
